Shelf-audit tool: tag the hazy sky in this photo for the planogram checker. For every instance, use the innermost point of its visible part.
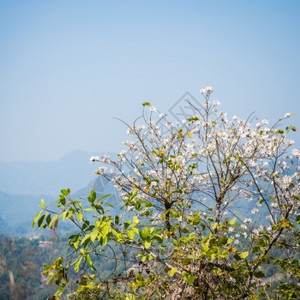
(67, 68)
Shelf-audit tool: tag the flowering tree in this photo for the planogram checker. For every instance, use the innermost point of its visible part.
(210, 211)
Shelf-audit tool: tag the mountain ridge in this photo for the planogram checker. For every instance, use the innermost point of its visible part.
(73, 170)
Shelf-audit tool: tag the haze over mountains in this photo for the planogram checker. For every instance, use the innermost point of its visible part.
(24, 183)
(47, 178)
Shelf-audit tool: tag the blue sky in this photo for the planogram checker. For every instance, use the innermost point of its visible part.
(67, 68)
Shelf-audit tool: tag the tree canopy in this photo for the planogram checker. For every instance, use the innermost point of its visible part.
(209, 210)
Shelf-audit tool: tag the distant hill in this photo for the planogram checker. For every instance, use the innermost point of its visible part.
(24, 183)
(47, 178)
(17, 210)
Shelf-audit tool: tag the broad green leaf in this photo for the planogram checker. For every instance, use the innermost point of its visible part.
(147, 244)
(188, 277)
(76, 244)
(172, 272)
(64, 214)
(36, 218)
(244, 255)
(92, 196)
(259, 274)
(130, 234)
(58, 293)
(79, 217)
(65, 192)
(42, 203)
(129, 297)
(54, 221)
(232, 221)
(94, 235)
(135, 220)
(89, 262)
(77, 264)
(40, 221)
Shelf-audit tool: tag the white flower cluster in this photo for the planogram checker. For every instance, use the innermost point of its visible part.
(209, 157)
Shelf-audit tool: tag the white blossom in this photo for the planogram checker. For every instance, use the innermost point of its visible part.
(94, 158)
(100, 171)
(287, 115)
(206, 91)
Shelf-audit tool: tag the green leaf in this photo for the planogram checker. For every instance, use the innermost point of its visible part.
(241, 255)
(232, 221)
(54, 221)
(244, 255)
(42, 203)
(79, 217)
(63, 216)
(129, 297)
(146, 103)
(172, 272)
(188, 277)
(147, 244)
(65, 192)
(36, 218)
(192, 119)
(131, 234)
(76, 244)
(94, 235)
(89, 262)
(259, 274)
(41, 219)
(58, 293)
(92, 196)
(135, 220)
(77, 264)
(279, 131)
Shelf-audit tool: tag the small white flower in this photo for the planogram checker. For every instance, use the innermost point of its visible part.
(287, 115)
(152, 108)
(206, 91)
(216, 103)
(94, 158)
(247, 220)
(254, 211)
(296, 152)
(290, 142)
(100, 171)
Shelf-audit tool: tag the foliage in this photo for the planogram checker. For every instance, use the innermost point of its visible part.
(209, 207)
